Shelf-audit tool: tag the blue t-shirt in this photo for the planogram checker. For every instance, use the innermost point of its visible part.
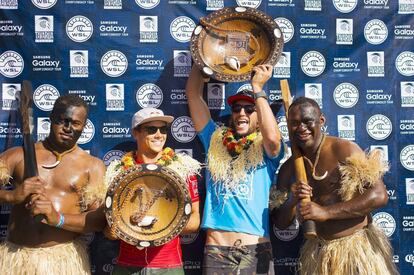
(245, 209)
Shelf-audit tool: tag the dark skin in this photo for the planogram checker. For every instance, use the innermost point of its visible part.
(56, 190)
(333, 217)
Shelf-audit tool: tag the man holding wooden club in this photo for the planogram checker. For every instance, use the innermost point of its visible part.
(345, 185)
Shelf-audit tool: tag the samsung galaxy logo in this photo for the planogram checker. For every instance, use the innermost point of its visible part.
(115, 130)
(11, 28)
(11, 64)
(379, 127)
(109, 28)
(407, 125)
(312, 31)
(375, 32)
(79, 28)
(45, 63)
(376, 4)
(286, 27)
(181, 28)
(149, 95)
(182, 129)
(149, 62)
(348, 65)
(405, 63)
(114, 63)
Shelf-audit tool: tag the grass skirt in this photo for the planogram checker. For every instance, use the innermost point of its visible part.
(365, 252)
(62, 259)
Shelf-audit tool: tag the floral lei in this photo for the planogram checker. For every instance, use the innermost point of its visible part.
(236, 146)
(167, 157)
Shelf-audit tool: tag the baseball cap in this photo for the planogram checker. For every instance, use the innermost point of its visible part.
(242, 95)
(149, 114)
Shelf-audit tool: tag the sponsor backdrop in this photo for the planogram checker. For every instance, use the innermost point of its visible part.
(355, 57)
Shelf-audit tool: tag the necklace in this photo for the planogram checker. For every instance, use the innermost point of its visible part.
(167, 157)
(236, 146)
(58, 155)
(313, 165)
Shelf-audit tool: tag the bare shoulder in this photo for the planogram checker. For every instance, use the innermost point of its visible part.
(90, 161)
(343, 148)
(12, 156)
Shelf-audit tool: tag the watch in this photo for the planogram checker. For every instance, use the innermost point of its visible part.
(259, 94)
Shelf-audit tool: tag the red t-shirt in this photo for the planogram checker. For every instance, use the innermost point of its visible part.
(164, 256)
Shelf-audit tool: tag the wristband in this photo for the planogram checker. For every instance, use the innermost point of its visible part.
(61, 221)
(259, 94)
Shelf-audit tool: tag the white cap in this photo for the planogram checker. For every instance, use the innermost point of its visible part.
(149, 114)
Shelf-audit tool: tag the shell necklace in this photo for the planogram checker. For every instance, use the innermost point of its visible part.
(313, 165)
(58, 155)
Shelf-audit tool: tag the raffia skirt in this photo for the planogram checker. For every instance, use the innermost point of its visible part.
(365, 252)
(62, 259)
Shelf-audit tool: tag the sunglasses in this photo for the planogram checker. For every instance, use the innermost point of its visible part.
(236, 108)
(153, 129)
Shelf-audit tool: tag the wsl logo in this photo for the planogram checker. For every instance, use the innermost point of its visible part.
(379, 127)
(407, 157)
(148, 29)
(182, 63)
(114, 63)
(44, 4)
(313, 63)
(405, 63)
(287, 28)
(147, 4)
(114, 97)
(181, 29)
(375, 62)
(282, 67)
(182, 129)
(346, 127)
(344, 31)
(346, 95)
(79, 64)
(149, 95)
(407, 93)
(44, 97)
(314, 91)
(9, 101)
(313, 5)
(345, 6)
(188, 238)
(375, 32)
(88, 133)
(289, 233)
(249, 3)
(11, 64)
(43, 128)
(112, 4)
(385, 222)
(79, 28)
(215, 96)
(112, 155)
(43, 29)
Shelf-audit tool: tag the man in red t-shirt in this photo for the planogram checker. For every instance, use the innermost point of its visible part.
(150, 127)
